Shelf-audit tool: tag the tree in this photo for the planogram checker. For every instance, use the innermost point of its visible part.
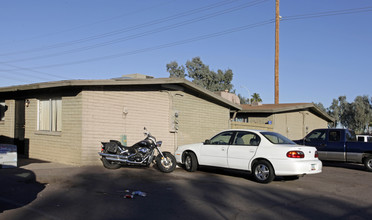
(334, 111)
(175, 71)
(256, 98)
(243, 100)
(202, 75)
(362, 113)
(355, 116)
(320, 106)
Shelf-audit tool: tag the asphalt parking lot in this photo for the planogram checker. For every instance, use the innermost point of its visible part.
(43, 190)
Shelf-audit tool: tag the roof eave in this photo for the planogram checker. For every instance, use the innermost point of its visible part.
(310, 106)
(118, 82)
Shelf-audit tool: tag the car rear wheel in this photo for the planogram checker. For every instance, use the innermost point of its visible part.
(191, 163)
(263, 172)
(368, 163)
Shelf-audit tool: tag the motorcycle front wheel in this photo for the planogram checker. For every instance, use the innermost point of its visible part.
(167, 163)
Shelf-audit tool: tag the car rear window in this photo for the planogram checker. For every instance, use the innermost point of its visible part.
(276, 138)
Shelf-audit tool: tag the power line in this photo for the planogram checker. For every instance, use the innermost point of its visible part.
(124, 30)
(94, 23)
(328, 13)
(190, 40)
(26, 74)
(146, 33)
(176, 43)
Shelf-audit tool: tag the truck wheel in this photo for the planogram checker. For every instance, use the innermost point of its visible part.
(368, 163)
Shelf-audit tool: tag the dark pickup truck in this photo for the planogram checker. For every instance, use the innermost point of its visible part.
(339, 145)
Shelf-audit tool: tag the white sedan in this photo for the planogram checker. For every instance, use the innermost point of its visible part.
(263, 153)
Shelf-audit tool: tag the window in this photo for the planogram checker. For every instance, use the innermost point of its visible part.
(222, 138)
(316, 136)
(246, 138)
(276, 138)
(350, 135)
(334, 136)
(50, 115)
(2, 110)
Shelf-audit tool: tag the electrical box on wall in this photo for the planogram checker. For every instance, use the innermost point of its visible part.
(174, 122)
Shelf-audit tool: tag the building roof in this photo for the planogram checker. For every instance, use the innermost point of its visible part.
(286, 107)
(165, 83)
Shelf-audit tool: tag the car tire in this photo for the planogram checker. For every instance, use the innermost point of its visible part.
(191, 163)
(368, 163)
(263, 172)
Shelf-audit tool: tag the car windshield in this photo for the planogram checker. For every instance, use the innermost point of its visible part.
(276, 138)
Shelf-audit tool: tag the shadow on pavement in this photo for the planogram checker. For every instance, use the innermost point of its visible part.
(351, 166)
(93, 192)
(18, 187)
(26, 161)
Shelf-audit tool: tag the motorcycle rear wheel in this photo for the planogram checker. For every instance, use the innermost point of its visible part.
(110, 164)
(167, 163)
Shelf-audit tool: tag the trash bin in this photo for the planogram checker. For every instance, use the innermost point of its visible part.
(8, 156)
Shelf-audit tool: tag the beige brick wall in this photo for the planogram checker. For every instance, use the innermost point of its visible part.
(259, 120)
(103, 119)
(94, 116)
(295, 125)
(254, 126)
(63, 147)
(198, 118)
(313, 122)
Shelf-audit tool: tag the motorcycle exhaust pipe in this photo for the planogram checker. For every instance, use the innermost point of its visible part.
(114, 156)
(120, 158)
(123, 161)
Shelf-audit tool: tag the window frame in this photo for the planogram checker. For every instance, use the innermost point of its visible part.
(242, 134)
(279, 137)
(231, 133)
(55, 116)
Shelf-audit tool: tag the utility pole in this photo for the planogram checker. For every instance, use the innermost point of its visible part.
(277, 18)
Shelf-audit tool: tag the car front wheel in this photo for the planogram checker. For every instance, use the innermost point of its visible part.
(263, 172)
(191, 163)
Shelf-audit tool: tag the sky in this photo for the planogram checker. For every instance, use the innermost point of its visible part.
(325, 45)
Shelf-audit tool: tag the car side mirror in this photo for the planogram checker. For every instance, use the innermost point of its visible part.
(307, 140)
(207, 141)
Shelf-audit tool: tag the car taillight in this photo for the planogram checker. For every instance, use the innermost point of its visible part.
(295, 154)
(316, 154)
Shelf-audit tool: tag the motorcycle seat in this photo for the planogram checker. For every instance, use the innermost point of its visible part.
(119, 144)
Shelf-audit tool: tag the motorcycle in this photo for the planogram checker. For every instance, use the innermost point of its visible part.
(114, 154)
